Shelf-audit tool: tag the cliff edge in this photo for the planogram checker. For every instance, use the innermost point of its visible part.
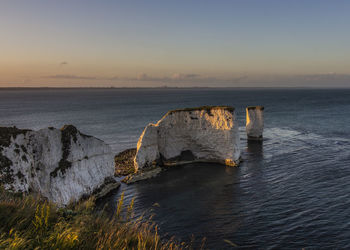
(62, 165)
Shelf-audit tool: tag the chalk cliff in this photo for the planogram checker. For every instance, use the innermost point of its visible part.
(255, 122)
(203, 134)
(62, 165)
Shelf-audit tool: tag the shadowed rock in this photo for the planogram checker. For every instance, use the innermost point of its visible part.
(255, 122)
(62, 165)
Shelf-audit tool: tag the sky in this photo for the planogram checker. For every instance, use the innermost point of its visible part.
(182, 43)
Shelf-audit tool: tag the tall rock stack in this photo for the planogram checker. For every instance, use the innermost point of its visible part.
(255, 122)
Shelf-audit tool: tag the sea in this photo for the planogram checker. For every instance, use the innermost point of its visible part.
(291, 191)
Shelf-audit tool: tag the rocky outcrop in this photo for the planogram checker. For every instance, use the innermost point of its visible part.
(124, 162)
(142, 175)
(62, 165)
(203, 134)
(255, 122)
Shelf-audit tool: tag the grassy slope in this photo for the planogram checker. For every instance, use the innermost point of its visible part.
(29, 223)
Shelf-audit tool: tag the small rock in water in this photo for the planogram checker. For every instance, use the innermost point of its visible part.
(255, 122)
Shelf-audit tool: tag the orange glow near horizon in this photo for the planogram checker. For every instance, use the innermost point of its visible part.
(226, 44)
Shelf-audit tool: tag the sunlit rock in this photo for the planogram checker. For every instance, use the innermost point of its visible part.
(255, 122)
(147, 147)
(204, 134)
(62, 165)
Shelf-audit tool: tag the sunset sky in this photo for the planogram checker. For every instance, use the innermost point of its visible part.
(175, 43)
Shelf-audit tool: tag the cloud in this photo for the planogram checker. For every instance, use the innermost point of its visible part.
(321, 79)
(238, 79)
(72, 77)
(179, 79)
(326, 77)
(63, 63)
(114, 78)
(179, 76)
(330, 79)
(185, 80)
(143, 77)
(192, 75)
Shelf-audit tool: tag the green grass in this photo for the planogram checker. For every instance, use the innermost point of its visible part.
(31, 223)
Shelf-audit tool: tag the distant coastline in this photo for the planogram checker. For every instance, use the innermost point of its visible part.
(169, 88)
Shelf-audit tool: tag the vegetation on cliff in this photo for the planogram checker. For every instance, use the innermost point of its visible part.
(206, 108)
(124, 162)
(31, 223)
(6, 133)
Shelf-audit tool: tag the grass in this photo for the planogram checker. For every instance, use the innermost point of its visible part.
(206, 108)
(32, 223)
(124, 162)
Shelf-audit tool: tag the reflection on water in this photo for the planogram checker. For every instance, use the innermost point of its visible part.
(276, 197)
(255, 147)
(290, 192)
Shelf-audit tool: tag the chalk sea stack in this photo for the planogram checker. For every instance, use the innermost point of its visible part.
(202, 134)
(62, 165)
(255, 122)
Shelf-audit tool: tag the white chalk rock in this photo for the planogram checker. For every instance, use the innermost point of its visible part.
(204, 134)
(62, 165)
(147, 147)
(255, 122)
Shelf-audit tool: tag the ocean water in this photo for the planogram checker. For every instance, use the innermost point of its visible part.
(291, 191)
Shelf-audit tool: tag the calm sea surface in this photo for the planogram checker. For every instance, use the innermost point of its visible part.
(291, 191)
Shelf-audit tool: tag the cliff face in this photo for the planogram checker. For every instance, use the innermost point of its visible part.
(255, 122)
(204, 134)
(62, 165)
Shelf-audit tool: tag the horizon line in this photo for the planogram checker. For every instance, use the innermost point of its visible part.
(172, 88)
